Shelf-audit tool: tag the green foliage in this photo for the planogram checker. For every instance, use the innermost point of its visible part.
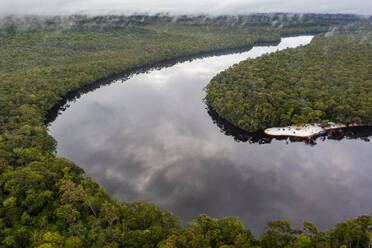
(206, 232)
(51, 239)
(327, 80)
(47, 201)
(279, 234)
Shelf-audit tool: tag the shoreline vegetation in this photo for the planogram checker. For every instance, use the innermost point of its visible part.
(48, 201)
(327, 81)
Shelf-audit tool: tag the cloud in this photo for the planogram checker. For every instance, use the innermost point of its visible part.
(214, 7)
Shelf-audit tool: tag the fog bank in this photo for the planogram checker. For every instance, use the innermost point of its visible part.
(211, 7)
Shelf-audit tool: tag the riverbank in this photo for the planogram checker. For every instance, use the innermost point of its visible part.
(141, 68)
(307, 131)
(74, 93)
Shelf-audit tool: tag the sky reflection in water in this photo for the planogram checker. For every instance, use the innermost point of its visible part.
(151, 138)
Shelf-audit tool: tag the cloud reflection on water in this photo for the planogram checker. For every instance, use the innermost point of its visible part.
(151, 138)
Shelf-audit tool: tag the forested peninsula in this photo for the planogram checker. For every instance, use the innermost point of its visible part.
(48, 201)
(329, 80)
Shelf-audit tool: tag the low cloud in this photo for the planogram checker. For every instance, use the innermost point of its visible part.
(212, 7)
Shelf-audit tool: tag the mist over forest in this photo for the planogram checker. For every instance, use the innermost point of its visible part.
(162, 159)
(179, 7)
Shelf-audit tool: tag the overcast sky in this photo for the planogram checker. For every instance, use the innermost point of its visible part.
(51, 7)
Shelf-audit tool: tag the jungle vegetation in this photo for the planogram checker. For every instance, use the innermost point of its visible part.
(328, 80)
(48, 201)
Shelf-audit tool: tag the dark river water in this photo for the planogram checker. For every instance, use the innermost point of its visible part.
(152, 138)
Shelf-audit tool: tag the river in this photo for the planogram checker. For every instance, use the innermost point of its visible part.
(152, 138)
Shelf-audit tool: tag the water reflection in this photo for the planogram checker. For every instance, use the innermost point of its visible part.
(239, 135)
(74, 95)
(151, 138)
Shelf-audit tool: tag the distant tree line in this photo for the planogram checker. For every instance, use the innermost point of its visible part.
(46, 201)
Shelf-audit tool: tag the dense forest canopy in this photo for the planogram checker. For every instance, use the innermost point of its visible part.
(328, 80)
(48, 201)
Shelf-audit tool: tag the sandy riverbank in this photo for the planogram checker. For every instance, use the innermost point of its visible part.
(306, 131)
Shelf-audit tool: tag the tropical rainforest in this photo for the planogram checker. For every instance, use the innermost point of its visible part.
(329, 80)
(48, 201)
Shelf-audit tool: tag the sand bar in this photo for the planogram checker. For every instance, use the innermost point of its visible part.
(306, 131)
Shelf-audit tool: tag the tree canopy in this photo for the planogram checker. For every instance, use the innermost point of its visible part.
(47, 201)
